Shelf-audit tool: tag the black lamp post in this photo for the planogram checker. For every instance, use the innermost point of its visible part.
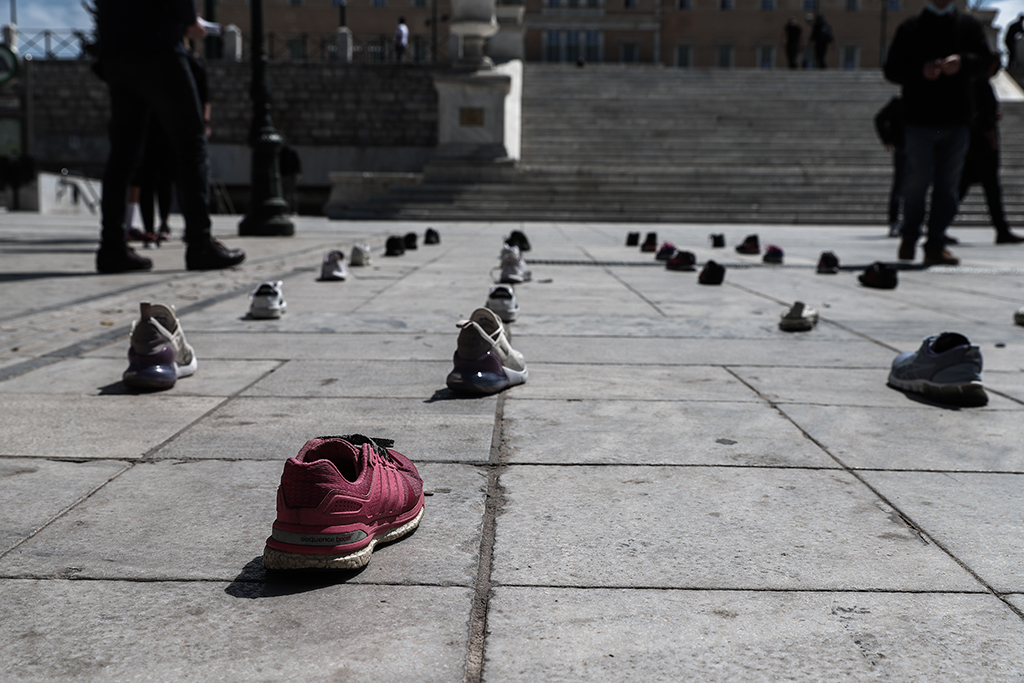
(268, 211)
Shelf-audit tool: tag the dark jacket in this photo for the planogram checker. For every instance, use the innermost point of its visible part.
(890, 124)
(142, 30)
(945, 101)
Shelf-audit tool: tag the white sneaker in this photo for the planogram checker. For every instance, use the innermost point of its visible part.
(513, 266)
(158, 353)
(502, 300)
(334, 266)
(490, 324)
(360, 255)
(1018, 317)
(267, 300)
(799, 318)
(484, 361)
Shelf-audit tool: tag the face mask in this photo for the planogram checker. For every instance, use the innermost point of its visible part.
(935, 10)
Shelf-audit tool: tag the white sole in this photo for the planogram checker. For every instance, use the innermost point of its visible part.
(515, 377)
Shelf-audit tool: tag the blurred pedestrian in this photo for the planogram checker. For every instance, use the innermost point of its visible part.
(401, 40)
(792, 33)
(821, 38)
(291, 171)
(143, 61)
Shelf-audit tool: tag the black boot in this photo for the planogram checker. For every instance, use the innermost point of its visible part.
(120, 258)
(211, 255)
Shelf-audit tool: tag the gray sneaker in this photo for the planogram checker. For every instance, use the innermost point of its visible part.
(947, 369)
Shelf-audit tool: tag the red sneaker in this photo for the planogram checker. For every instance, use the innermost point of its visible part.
(340, 497)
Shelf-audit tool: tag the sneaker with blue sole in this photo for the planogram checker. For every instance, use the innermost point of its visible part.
(158, 354)
(946, 369)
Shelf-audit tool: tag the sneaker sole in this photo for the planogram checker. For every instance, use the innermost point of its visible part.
(186, 370)
(972, 394)
(265, 313)
(797, 325)
(153, 378)
(275, 559)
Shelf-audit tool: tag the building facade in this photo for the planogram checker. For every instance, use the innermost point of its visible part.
(679, 33)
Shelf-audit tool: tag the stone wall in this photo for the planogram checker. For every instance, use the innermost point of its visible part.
(384, 113)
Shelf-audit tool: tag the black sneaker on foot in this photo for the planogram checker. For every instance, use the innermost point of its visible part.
(120, 258)
(212, 255)
(1008, 238)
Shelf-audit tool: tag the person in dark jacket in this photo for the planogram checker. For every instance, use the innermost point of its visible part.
(792, 32)
(889, 124)
(143, 61)
(821, 38)
(935, 56)
(982, 162)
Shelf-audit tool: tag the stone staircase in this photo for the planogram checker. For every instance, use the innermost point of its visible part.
(653, 144)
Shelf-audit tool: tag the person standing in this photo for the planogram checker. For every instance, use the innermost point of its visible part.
(982, 162)
(143, 61)
(934, 56)
(821, 38)
(792, 32)
(401, 40)
(1013, 34)
(291, 171)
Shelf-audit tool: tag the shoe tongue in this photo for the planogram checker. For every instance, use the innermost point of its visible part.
(949, 340)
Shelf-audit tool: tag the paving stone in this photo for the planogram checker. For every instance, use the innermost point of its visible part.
(276, 428)
(102, 376)
(23, 511)
(921, 438)
(663, 527)
(557, 380)
(977, 517)
(210, 520)
(661, 635)
(355, 379)
(80, 426)
(653, 432)
(170, 631)
(844, 387)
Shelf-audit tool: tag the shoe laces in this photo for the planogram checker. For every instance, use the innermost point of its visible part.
(377, 445)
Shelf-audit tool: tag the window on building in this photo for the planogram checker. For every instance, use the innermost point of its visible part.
(629, 4)
(629, 53)
(685, 4)
(380, 3)
(895, 5)
(724, 56)
(419, 3)
(850, 57)
(593, 46)
(767, 5)
(852, 5)
(572, 46)
(810, 5)
(766, 57)
(593, 4)
(295, 3)
(726, 5)
(553, 4)
(573, 3)
(684, 56)
(553, 46)
(420, 49)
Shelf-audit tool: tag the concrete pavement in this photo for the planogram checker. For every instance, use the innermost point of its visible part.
(680, 491)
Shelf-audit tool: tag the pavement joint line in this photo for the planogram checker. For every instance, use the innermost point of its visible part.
(907, 519)
(412, 270)
(625, 284)
(495, 501)
(69, 508)
(148, 455)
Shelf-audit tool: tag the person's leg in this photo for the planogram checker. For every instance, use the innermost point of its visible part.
(899, 163)
(989, 171)
(129, 116)
(917, 177)
(950, 151)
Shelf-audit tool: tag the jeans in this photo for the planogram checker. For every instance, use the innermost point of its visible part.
(899, 164)
(935, 157)
(166, 90)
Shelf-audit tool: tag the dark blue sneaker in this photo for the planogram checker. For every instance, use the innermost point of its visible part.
(947, 369)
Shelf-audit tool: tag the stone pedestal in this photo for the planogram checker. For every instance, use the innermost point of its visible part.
(479, 119)
(232, 43)
(507, 43)
(344, 43)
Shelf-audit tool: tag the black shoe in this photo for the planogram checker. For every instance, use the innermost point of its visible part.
(650, 242)
(410, 241)
(949, 239)
(879, 276)
(717, 240)
(212, 255)
(431, 237)
(518, 239)
(711, 274)
(750, 245)
(395, 246)
(682, 260)
(633, 239)
(120, 258)
(828, 264)
(1008, 238)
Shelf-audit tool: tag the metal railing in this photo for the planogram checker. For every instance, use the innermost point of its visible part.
(53, 43)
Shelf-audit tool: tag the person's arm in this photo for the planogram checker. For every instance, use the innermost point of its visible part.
(900, 67)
